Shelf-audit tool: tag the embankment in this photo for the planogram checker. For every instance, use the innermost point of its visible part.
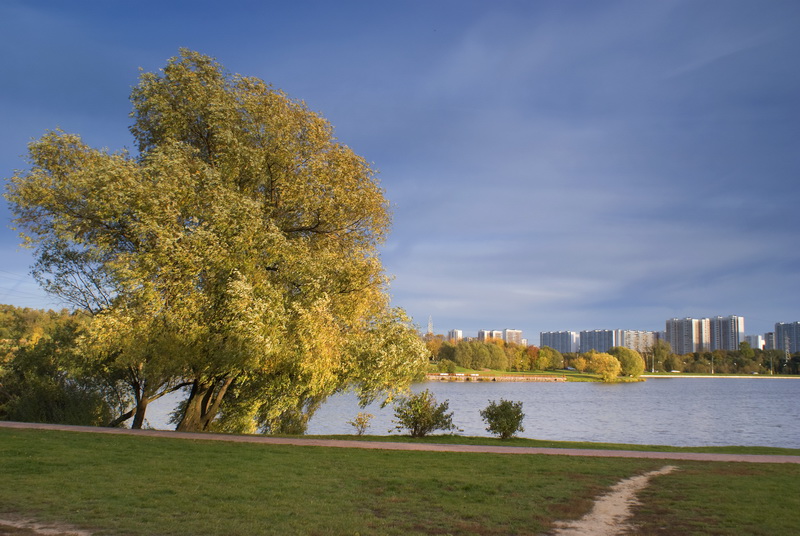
(446, 377)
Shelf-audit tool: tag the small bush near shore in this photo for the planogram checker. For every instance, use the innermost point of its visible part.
(361, 422)
(421, 415)
(504, 419)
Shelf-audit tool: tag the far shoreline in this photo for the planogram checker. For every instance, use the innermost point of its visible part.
(737, 376)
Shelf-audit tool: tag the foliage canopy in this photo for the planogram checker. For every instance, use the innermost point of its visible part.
(235, 254)
(630, 360)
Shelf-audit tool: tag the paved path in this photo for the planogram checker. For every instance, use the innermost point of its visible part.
(433, 447)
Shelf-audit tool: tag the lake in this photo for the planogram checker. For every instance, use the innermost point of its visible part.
(680, 411)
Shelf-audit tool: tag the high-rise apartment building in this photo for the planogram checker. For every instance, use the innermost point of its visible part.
(562, 341)
(787, 337)
(455, 335)
(769, 341)
(689, 335)
(600, 340)
(726, 332)
(636, 340)
(486, 334)
(512, 336)
(756, 342)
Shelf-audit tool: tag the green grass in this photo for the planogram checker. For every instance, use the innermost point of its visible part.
(133, 485)
(722, 499)
(570, 375)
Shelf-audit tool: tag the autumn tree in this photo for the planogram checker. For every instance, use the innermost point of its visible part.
(630, 360)
(604, 364)
(235, 253)
(549, 358)
(659, 352)
(531, 357)
(516, 357)
(446, 352)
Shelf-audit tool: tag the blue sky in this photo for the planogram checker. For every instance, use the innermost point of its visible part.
(551, 165)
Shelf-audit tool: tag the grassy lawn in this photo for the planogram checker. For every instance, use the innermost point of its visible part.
(722, 499)
(570, 375)
(143, 486)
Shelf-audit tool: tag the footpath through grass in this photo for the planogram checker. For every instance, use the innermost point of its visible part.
(129, 485)
(540, 443)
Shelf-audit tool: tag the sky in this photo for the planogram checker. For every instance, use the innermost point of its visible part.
(551, 165)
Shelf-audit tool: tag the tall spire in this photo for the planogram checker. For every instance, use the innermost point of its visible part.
(430, 325)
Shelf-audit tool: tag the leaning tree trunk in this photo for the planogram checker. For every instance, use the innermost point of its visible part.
(138, 416)
(203, 404)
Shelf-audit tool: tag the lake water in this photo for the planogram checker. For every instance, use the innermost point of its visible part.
(660, 411)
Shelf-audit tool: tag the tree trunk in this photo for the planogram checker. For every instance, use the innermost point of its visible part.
(203, 404)
(121, 419)
(138, 416)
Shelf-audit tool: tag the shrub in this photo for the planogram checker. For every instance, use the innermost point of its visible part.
(361, 422)
(420, 414)
(445, 365)
(504, 419)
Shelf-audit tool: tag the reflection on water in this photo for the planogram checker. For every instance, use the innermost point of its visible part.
(668, 411)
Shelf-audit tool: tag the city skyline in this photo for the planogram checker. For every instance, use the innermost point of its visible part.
(746, 332)
(548, 164)
(685, 335)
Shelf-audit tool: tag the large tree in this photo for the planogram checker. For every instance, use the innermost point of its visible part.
(631, 361)
(604, 364)
(235, 253)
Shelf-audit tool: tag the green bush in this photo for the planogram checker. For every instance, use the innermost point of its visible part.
(421, 415)
(43, 382)
(504, 419)
(445, 365)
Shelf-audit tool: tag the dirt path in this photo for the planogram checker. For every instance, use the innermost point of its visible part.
(25, 527)
(610, 513)
(435, 447)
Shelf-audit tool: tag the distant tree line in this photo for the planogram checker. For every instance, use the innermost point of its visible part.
(745, 360)
(495, 354)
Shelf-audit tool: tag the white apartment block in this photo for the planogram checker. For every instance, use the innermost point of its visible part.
(689, 335)
(455, 335)
(512, 336)
(636, 340)
(727, 332)
(756, 342)
(486, 334)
